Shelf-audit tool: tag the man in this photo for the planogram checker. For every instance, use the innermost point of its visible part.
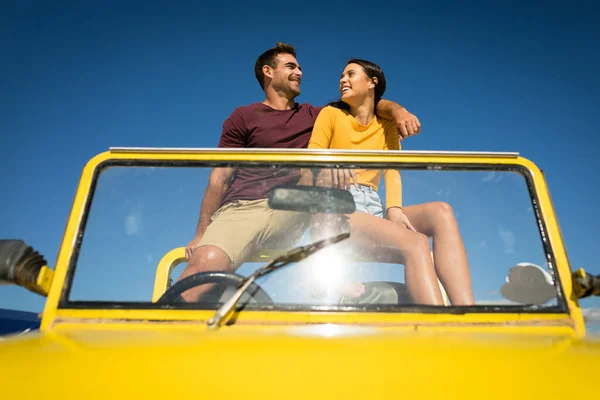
(234, 217)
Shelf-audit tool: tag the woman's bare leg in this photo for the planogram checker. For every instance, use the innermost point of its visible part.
(379, 235)
(437, 220)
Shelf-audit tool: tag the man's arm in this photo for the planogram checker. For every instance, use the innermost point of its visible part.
(406, 123)
(234, 134)
(218, 183)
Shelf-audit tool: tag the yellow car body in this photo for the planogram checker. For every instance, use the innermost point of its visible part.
(121, 353)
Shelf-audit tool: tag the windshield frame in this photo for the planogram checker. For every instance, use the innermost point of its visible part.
(66, 263)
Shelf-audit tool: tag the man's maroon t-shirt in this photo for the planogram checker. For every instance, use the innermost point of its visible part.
(260, 126)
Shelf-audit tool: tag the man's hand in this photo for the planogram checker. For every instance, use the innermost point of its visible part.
(397, 216)
(218, 182)
(306, 177)
(191, 246)
(407, 123)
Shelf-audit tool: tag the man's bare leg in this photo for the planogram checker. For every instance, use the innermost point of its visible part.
(437, 220)
(204, 258)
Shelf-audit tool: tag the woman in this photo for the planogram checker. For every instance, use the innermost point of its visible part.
(402, 233)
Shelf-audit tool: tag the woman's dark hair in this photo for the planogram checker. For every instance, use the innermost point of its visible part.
(372, 70)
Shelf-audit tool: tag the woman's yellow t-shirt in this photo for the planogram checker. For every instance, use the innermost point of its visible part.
(337, 129)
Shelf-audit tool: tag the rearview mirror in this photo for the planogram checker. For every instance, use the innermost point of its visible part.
(312, 199)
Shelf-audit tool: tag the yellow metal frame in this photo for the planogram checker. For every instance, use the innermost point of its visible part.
(163, 271)
(52, 314)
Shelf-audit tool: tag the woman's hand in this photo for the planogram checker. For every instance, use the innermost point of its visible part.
(397, 216)
(343, 178)
(337, 178)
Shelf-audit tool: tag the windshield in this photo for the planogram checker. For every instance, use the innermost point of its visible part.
(426, 236)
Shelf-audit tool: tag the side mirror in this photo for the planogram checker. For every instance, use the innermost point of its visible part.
(312, 199)
(528, 283)
(585, 285)
(23, 266)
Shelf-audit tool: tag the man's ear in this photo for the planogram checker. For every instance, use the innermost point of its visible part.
(267, 71)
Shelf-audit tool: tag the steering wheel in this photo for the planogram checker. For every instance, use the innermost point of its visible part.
(173, 294)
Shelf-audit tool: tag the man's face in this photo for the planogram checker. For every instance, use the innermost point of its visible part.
(287, 76)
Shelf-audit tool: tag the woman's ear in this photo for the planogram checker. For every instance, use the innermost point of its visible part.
(375, 81)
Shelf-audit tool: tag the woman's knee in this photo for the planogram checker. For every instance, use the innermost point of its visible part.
(441, 213)
(442, 209)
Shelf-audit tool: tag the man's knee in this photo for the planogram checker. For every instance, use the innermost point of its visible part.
(209, 258)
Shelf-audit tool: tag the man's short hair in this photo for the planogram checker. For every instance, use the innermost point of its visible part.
(269, 58)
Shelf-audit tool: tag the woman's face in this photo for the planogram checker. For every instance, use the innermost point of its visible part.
(355, 84)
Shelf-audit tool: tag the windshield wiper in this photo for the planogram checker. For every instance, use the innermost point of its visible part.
(297, 254)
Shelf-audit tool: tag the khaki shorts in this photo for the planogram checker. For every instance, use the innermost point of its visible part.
(242, 227)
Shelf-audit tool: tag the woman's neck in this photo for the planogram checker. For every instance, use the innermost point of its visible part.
(363, 113)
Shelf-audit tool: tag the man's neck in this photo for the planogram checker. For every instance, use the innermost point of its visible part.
(278, 101)
(363, 114)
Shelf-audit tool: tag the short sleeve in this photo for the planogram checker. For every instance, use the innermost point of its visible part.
(234, 132)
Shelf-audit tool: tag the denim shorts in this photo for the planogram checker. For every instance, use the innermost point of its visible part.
(367, 200)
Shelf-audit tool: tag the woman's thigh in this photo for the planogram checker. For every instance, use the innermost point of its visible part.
(383, 239)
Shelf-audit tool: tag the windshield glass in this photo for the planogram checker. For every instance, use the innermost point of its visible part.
(418, 236)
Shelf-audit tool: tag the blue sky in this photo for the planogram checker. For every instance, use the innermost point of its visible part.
(78, 77)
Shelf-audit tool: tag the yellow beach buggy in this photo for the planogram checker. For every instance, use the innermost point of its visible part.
(114, 325)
